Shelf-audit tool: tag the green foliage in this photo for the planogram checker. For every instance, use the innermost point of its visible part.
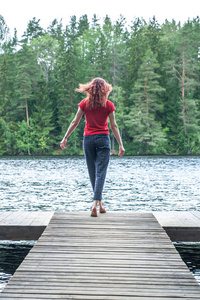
(25, 138)
(141, 121)
(154, 70)
(6, 137)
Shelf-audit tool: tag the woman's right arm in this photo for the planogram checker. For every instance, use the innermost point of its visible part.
(116, 133)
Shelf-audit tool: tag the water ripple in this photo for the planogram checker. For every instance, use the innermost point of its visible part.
(132, 183)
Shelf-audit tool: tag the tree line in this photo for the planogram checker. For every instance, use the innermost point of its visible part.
(154, 70)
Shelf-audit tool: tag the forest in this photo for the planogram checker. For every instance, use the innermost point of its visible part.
(154, 70)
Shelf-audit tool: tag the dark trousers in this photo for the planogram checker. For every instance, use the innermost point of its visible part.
(97, 153)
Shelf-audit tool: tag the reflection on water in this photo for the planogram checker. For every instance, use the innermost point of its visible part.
(12, 253)
(190, 254)
(133, 183)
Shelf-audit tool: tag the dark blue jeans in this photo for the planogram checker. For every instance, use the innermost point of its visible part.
(97, 153)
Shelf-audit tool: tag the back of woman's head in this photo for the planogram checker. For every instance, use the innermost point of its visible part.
(97, 92)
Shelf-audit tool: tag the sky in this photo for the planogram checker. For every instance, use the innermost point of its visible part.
(17, 13)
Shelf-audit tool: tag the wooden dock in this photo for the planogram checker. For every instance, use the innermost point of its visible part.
(23, 225)
(181, 226)
(119, 255)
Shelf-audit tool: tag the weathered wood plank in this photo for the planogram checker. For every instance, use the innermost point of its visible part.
(37, 296)
(180, 225)
(23, 225)
(25, 218)
(178, 218)
(117, 291)
(115, 256)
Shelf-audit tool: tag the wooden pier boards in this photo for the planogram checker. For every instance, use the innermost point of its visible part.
(23, 225)
(180, 225)
(119, 255)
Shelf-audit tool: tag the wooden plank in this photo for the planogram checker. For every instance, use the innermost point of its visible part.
(196, 216)
(29, 218)
(3, 216)
(119, 255)
(178, 218)
(10, 219)
(165, 219)
(25, 218)
(180, 225)
(42, 219)
(24, 225)
(37, 296)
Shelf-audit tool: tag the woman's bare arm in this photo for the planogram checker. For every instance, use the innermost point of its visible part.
(116, 133)
(71, 127)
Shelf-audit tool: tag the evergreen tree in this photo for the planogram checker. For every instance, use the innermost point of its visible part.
(136, 48)
(117, 97)
(45, 48)
(25, 138)
(42, 116)
(55, 29)
(170, 116)
(3, 33)
(33, 31)
(68, 64)
(3, 87)
(6, 138)
(154, 70)
(119, 53)
(94, 42)
(142, 125)
(186, 71)
(25, 78)
(6, 122)
(83, 25)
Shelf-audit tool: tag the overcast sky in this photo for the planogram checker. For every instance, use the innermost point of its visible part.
(17, 13)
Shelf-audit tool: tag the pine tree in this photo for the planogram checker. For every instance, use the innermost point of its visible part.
(42, 116)
(140, 64)
(117, 97)
(119, 53)
(142, 125)
(6, 123)
(67, 76)
(3, 86)
(55, 29)
(25, 138)
(170, 115)
(33, 31)
(25, 78)
(83, 25)
(3, 33)
(186, 72)
(45, 48)
(136, 47)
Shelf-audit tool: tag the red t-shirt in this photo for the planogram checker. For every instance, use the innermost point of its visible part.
(96, 119)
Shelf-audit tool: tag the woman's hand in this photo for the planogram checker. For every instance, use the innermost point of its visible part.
(121, 150)
(63, 143)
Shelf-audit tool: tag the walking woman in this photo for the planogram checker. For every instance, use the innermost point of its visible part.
(96, 142)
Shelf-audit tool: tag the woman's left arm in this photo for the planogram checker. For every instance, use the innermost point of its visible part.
(71, 127)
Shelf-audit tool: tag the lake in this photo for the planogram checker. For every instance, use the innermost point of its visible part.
(61, 183)
(132, 183)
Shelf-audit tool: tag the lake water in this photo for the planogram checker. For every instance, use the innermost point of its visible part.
(132, 183)
(12, 253)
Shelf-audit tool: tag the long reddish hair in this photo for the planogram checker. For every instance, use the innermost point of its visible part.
(97, 92)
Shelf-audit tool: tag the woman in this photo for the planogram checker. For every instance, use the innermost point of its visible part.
(96, 141)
